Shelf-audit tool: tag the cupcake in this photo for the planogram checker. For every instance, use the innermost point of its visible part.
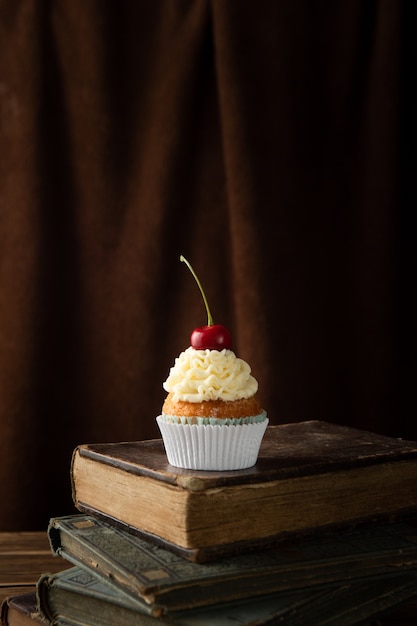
(212, 418)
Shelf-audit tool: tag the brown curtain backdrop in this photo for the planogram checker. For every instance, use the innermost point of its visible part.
(273, 143)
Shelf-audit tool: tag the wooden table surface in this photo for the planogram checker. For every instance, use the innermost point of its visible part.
(24, 556)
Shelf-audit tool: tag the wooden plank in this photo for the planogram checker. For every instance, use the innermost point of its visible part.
(7, 592)
(24, 556)
(24, 542)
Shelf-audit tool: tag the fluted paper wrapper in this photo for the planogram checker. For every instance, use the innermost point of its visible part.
(216, 448)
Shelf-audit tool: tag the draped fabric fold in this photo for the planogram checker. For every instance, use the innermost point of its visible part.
(271, 143)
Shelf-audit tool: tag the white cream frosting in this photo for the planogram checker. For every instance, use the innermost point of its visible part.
(199, 375)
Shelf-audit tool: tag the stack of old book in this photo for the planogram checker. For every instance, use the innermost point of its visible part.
(320, 531)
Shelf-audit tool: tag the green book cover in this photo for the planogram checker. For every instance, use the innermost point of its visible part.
(78, 598)
(163, 581)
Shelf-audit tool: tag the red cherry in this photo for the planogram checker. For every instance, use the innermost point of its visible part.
(214, 337)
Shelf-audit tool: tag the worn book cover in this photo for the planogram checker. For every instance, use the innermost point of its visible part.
(80, 596)
(165, 581)
(77, 597)
(309, 475)
(21, 610)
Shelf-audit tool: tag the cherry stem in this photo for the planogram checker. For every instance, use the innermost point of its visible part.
(209, 317)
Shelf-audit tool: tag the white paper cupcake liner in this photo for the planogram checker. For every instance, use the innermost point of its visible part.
(207, 447)
(228, 421)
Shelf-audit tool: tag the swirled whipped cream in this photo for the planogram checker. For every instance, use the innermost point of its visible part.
(199, 375)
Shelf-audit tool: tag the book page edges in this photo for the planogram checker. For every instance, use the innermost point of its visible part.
(225, 515)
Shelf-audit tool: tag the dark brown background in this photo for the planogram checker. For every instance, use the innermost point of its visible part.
(271, 143)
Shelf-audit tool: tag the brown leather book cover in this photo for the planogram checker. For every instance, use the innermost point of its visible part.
(21, 610)
(309, 475)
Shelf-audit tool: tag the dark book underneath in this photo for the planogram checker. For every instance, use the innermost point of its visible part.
(309, 475)
(21, 610)
(76, 597)
(160, 581)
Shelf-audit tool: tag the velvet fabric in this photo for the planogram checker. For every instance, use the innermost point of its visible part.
(271, 143)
